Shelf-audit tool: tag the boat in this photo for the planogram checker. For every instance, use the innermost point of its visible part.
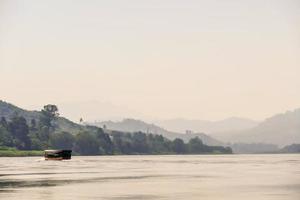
(58, 154)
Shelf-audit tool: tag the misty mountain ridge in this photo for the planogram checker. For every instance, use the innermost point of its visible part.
(281, 129)
(8, 111)
(229, 124)
(133, 125)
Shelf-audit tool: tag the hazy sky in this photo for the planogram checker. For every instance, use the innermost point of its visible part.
(202, 59)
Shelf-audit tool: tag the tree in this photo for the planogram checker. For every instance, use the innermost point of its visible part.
(51, 109)
(33, 124)
(49, 113)
(35, 136)
(86, 144)
(139, 142)
(62, 140)
(178, 146)
(3, 122)
(36, 143)
(158, 144)
(105, 142)
(5, 137)
(122, 143)
(195, 145)
(19, 129)
(46, 123)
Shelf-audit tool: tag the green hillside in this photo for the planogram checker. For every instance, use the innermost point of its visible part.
(8, 111)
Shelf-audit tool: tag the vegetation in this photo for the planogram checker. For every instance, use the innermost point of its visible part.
(12, 152)
(133, 125)
(23, 137)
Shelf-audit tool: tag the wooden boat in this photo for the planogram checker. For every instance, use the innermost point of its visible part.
(58, 154)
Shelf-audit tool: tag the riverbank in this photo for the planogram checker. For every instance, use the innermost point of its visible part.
(19, 153)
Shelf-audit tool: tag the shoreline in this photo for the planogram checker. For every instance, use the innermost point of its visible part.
(38, 153)
(20, 153)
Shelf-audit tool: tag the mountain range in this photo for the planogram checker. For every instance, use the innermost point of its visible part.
(8, 110)
(133, 125)
(208, 127)
(280, 129)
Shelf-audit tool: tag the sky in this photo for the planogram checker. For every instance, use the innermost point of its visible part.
(155, 59)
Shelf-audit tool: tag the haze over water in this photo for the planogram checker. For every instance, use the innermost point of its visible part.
(152, 177)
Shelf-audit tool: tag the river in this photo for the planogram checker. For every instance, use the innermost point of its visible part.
(192, 177)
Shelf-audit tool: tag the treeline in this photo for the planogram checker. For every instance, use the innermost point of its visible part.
(141, 143)
(42, 134)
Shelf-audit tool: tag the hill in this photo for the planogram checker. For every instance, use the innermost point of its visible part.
(8, 111)
(281, 129)
(132, 125)
(293, 148)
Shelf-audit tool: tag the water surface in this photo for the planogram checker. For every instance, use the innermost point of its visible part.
(223, 177)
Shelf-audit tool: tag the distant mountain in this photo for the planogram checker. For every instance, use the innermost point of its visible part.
(132, 125)
(282, 129)
(230, 124)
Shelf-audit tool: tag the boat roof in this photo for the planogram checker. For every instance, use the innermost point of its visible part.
(57, 150)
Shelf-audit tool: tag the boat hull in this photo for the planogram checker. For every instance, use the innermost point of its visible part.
(58, 154)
